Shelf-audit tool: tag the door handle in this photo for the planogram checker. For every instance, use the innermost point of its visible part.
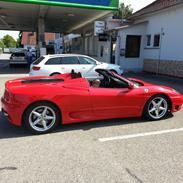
(84, 68)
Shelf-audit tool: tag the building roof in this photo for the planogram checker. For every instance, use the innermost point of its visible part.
(130, 25)
(155, 6)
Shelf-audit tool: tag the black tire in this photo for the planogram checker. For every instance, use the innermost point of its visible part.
(54, 74)
(31, 108)
(148, 115)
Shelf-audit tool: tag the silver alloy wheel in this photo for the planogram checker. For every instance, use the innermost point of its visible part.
(42, 118)
(158, 108)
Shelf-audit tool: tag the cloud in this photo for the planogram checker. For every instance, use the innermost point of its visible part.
(14, 34)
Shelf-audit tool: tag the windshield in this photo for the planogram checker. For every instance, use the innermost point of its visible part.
(113, 80)
(136, 84)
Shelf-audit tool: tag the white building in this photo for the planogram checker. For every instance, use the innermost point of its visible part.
(153, 41)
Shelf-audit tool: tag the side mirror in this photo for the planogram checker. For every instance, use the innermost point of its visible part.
(131, 86)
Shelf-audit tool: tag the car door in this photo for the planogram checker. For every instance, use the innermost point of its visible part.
(52, 65)
(117, 101)
(111, 103)
(88, 66)
(68, 63)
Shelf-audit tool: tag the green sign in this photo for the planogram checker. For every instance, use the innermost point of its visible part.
(91, 4)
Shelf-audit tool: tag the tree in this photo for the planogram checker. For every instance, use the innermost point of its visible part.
(1, 44)
(18, 43)
(9, 42)
(123, 12)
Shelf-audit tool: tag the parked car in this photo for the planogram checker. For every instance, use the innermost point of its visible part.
(50, 65)
(18, 58)
(41, 103)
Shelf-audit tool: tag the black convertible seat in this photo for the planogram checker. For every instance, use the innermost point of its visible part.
(75, 75)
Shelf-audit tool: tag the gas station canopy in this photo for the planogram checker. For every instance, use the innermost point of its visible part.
(59, 15)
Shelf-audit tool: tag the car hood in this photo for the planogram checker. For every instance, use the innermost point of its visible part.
(144, 83)
(160, 87)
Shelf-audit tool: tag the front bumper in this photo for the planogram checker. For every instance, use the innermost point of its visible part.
(177, 103)
(18, 62)
(5, 113)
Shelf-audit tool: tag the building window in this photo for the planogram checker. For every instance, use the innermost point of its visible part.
(148, 38)
(156, 40)
(85, 60)
(133, 46)
(54, 61)
(70, 60)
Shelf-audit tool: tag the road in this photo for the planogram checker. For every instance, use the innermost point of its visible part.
(109, 151)
(5, 69)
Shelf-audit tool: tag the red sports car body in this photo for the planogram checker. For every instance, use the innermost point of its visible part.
(75, 100)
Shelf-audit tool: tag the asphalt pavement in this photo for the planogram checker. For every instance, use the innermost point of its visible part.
(112, 151)
(5, 69)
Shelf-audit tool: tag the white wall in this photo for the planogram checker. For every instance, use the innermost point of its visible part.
(135, 64)
(170, 24)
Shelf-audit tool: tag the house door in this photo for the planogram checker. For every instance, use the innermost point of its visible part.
(133, 44)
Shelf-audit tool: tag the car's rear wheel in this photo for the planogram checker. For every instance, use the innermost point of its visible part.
(41, 118)
(157, 108)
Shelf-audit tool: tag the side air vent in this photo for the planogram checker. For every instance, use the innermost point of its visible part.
(43, 80)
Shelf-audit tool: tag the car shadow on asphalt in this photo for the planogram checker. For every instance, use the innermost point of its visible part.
(8, 130)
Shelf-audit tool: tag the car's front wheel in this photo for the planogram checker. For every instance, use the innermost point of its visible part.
(157, 108)
(41, 118)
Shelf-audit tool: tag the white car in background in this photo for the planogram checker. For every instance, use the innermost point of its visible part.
(18, 58)
(50, 65)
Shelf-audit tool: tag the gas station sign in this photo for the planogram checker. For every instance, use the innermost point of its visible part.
(89, 2)
(92, 4)
(99, 27)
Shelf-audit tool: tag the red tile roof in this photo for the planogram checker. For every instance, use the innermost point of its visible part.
(156, 6)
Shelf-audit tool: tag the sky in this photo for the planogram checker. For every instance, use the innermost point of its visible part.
(136, 5)
(14, 34)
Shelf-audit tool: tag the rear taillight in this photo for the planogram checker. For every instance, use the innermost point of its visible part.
(8, 96)
(35, 68)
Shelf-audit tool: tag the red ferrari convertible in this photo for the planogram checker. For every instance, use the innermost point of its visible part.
(42, 103)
